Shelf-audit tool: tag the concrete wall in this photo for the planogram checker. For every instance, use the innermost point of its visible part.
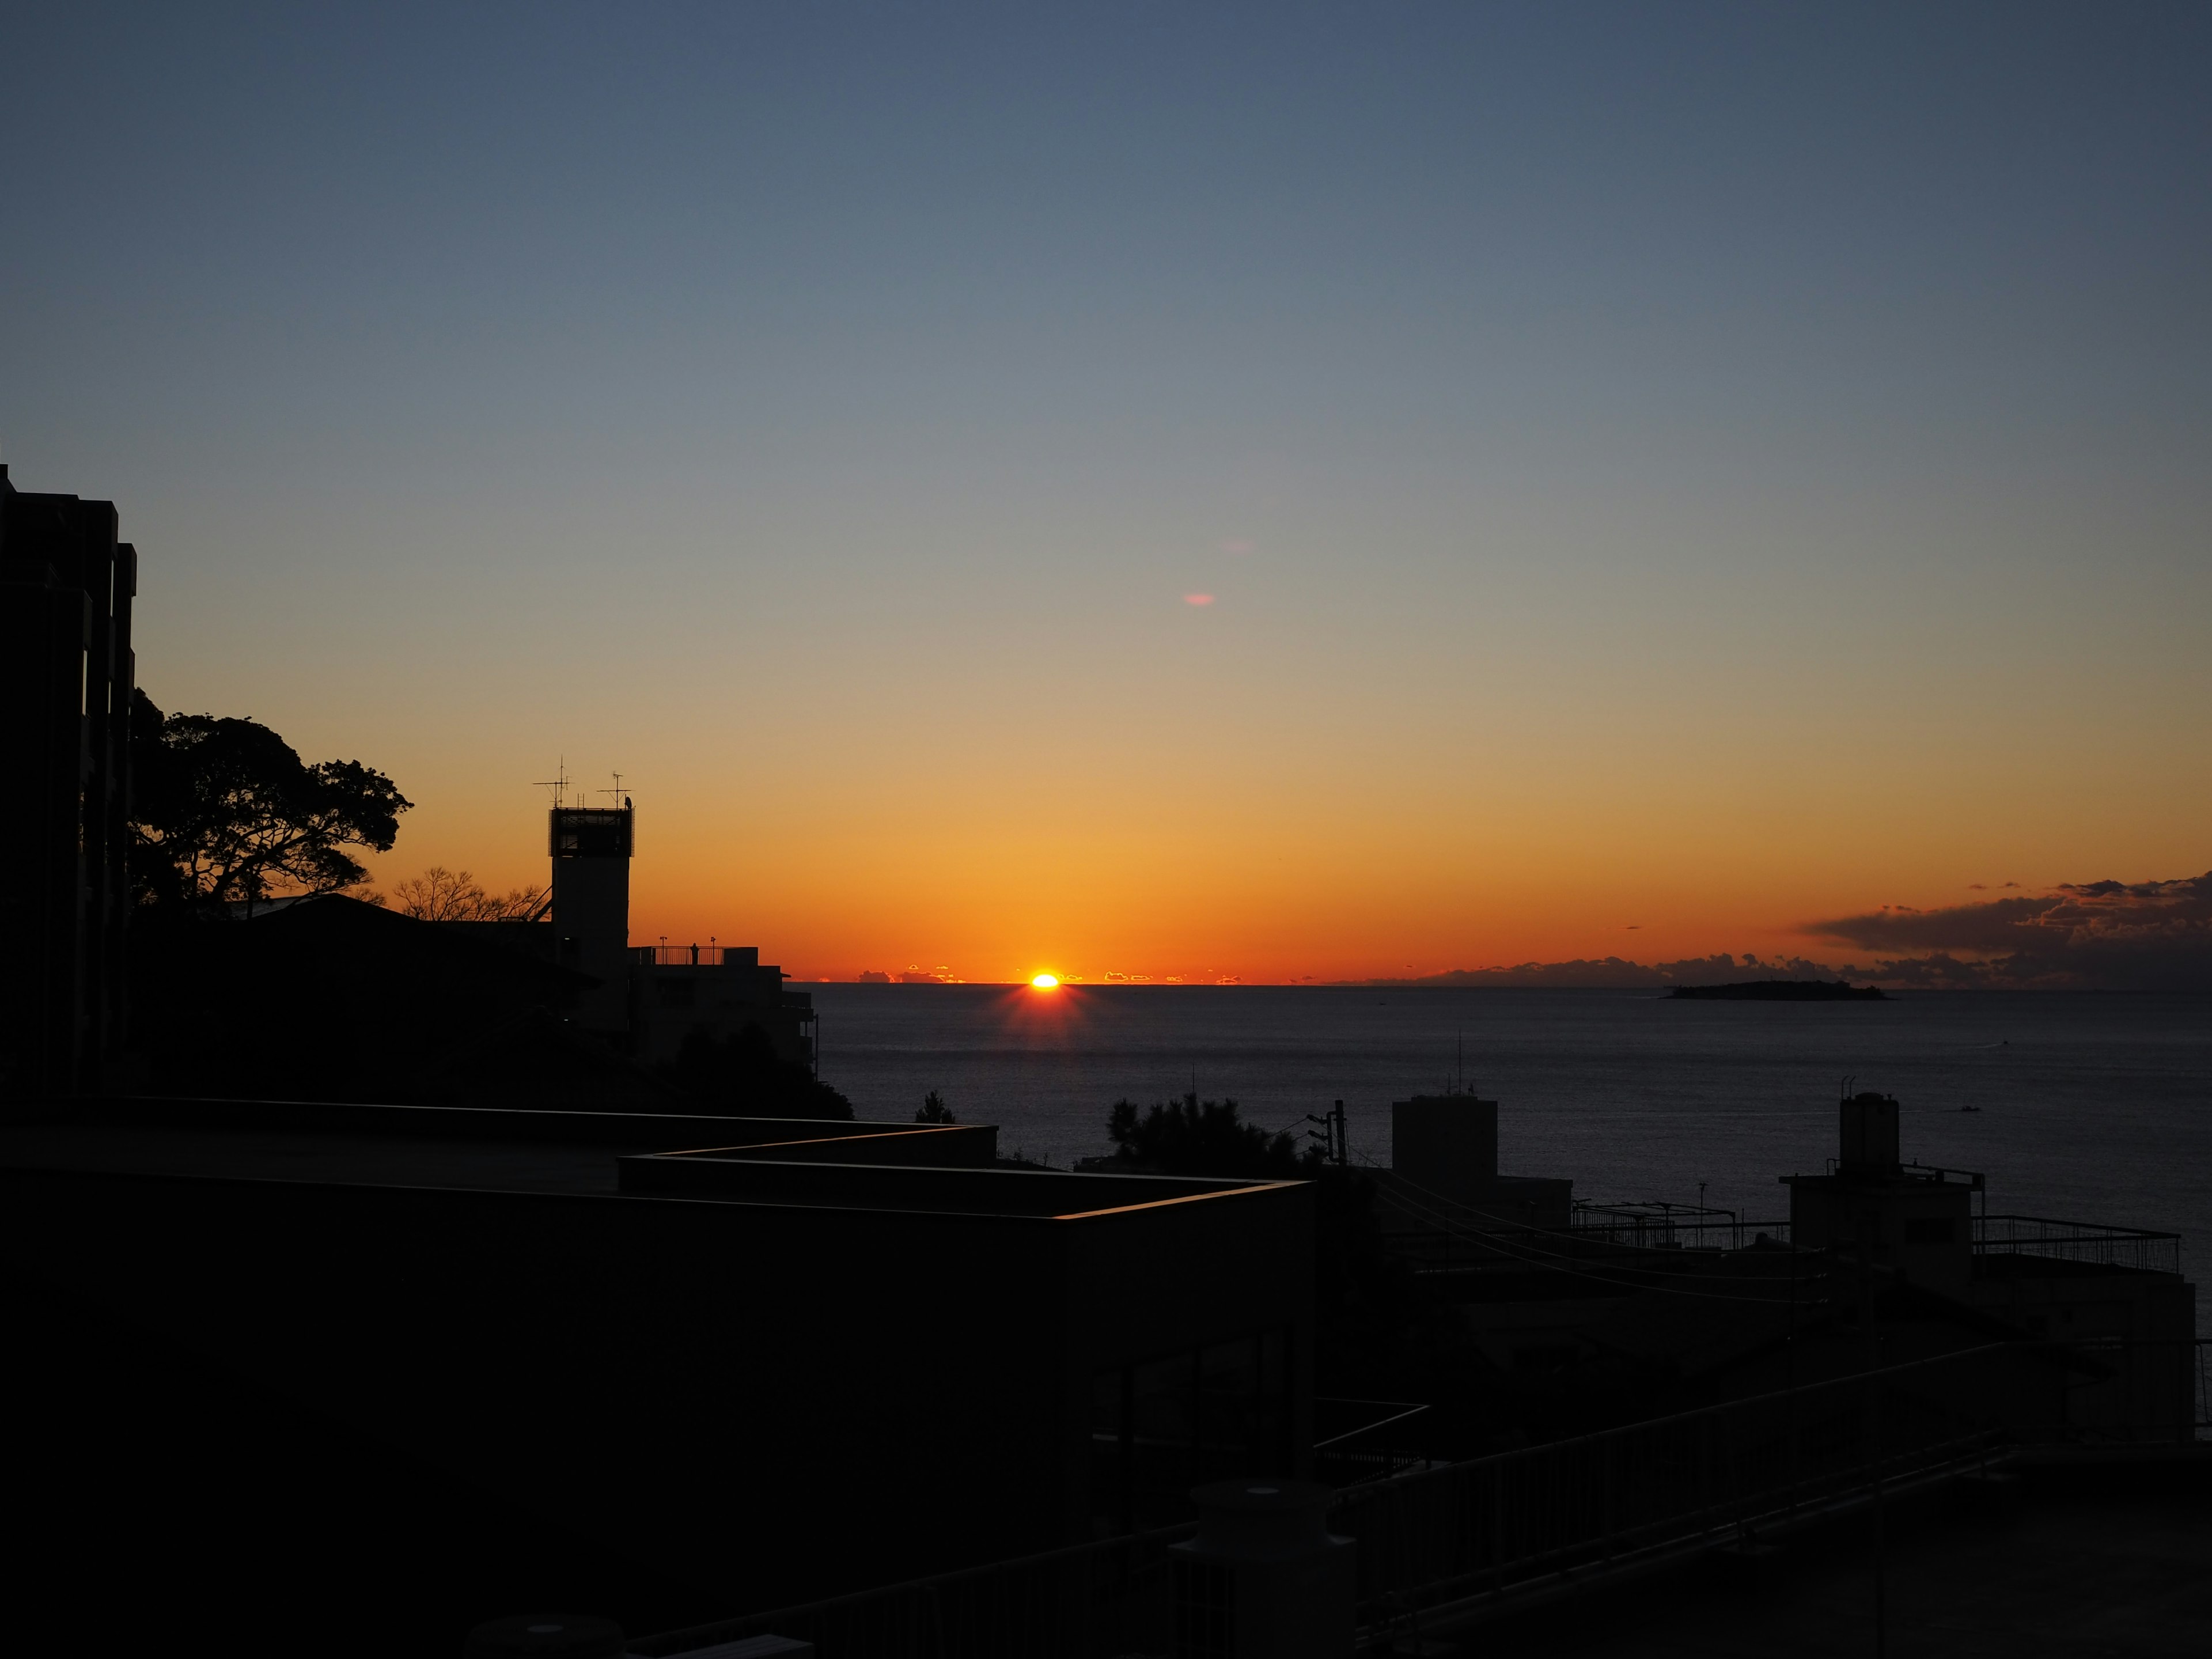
(2137, 1330)
(1924, 1228)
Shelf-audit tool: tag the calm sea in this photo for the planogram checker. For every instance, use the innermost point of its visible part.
(2092, 1108)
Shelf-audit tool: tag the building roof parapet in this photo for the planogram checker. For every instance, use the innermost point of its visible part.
(765, 1177)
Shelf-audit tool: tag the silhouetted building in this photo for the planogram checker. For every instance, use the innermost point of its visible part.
(1914, 1219)
(590, 849)
(1445, 1147)
(717, 992)
(773, 1358)
(2094, 1285)
(1653, 1307)
(66, 584)
(651, 1000)
(326, 998)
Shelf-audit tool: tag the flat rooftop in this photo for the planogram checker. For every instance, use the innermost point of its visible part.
(782, 1162)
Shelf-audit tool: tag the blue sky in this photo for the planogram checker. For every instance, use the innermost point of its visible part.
(1718, 464)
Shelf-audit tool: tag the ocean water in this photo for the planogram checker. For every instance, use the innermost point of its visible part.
(2093, 1108)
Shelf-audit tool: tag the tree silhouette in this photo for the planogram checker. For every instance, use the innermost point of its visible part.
(934, 1110)
(442, 894)
(1191, 1137)
(224, 810)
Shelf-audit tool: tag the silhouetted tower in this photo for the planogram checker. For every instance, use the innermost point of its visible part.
(592, 848)
(65, 676)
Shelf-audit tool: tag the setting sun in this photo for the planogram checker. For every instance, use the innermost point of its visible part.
(1046, 982)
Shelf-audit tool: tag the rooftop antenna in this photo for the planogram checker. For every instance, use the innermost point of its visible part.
(558, 784)
(617, 791)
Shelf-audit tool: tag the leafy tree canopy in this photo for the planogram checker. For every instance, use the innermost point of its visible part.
(934, 1110)
(225, 810)
(1191, 1137)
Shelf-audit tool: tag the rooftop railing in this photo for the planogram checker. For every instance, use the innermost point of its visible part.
(2078, 1241)
(698, 956)
(1448, 1233)
(1453, 1233)
(1663, 1226)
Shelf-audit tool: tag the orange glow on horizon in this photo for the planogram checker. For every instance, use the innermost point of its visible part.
(1223, 887)
(1045, 982)
(1558, 629)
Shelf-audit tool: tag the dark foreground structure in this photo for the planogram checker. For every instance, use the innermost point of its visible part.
(456, 1360)
(66, 586)
(754, 1356)
(1830, 1410)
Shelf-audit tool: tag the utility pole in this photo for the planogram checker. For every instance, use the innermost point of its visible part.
(1336, 1145)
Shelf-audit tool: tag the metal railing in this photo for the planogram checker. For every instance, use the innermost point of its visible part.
(2078, 1241)
(1473, 1530)
(1664, 1227)
(1437, 1539)
(1447, 1235)
(1367, 1439)
(695, 955)
(1086, 1602)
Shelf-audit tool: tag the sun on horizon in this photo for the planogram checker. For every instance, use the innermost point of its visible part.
(1046, 982)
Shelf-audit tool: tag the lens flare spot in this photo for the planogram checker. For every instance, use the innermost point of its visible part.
(1198, 599)
(1046, 982)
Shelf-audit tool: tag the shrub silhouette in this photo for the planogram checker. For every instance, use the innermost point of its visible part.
(1191, 1137)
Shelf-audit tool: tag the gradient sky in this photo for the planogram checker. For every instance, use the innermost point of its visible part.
(1688, 469)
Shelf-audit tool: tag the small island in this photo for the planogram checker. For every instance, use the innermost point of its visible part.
(1779, 990)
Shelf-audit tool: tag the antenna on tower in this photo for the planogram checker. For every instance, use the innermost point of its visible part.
(617, 792)
(558, 784)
